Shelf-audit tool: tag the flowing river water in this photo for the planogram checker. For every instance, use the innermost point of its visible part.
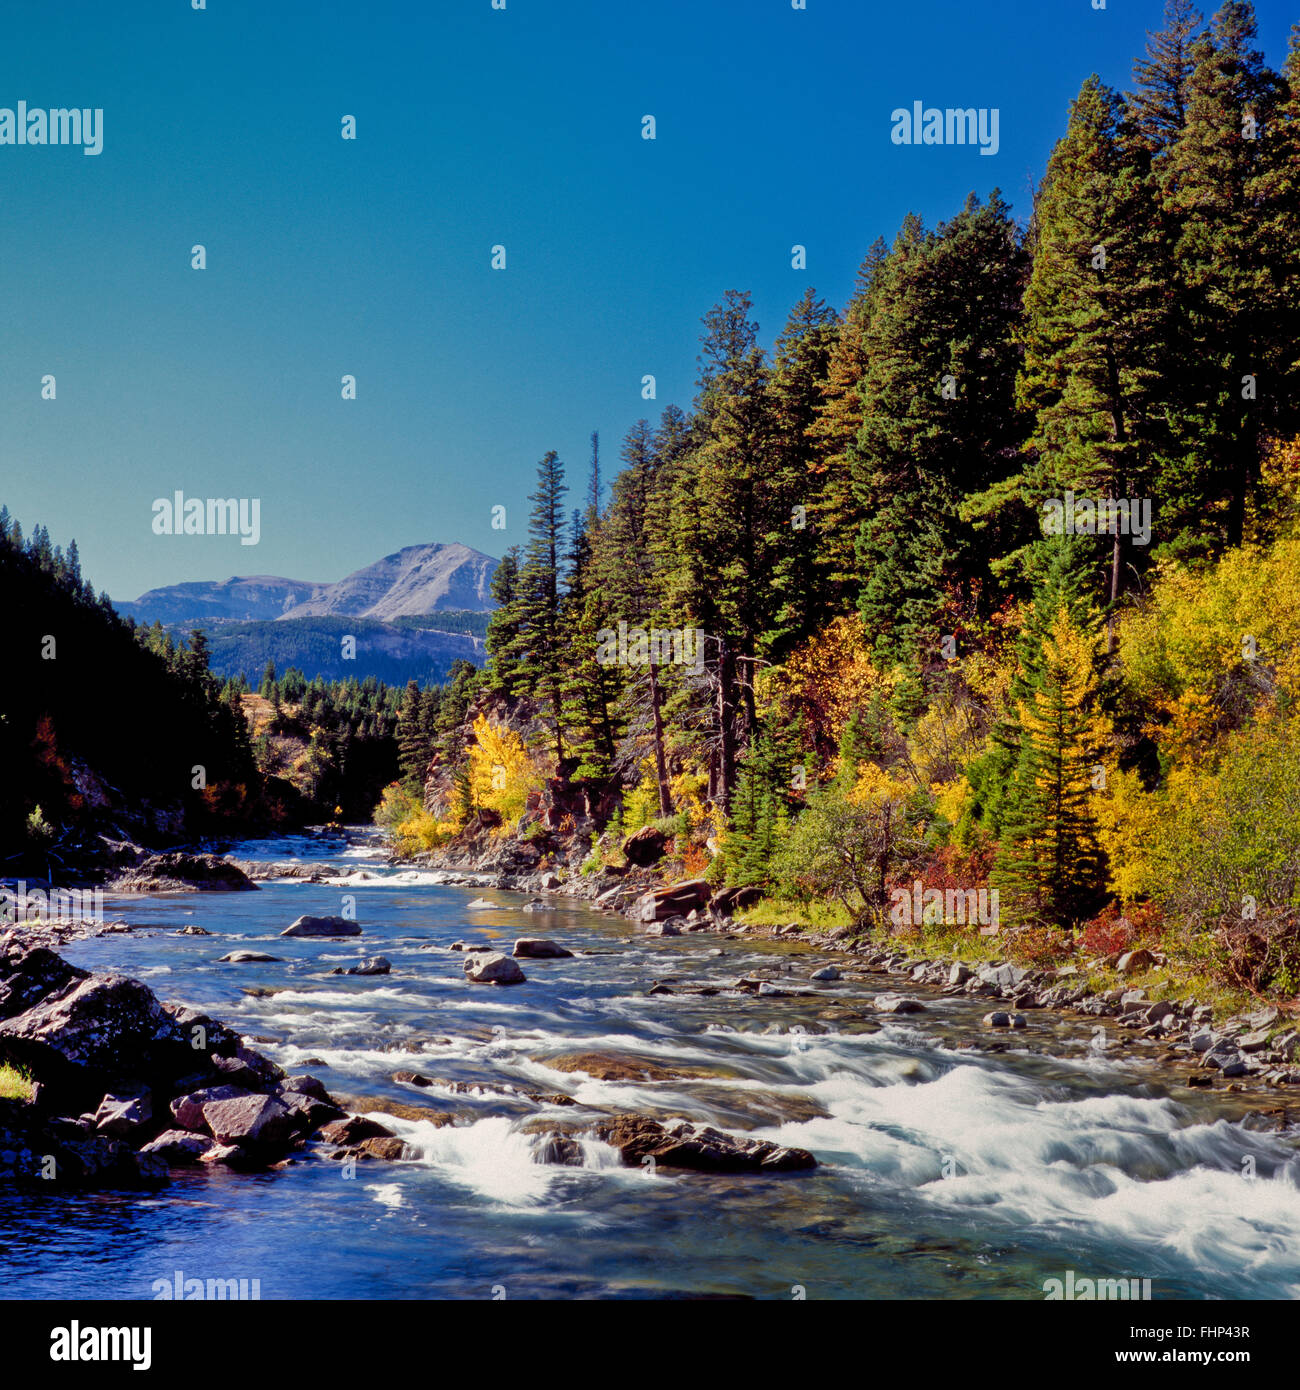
(945, 1170)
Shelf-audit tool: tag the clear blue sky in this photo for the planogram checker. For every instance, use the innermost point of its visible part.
(475, 127)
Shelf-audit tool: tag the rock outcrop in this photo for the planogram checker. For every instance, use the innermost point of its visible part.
(182, 873)
(698, 1147)
(126, 1084)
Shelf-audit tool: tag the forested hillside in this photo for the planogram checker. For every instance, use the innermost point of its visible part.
(99, 729)
(109, 728)
(989, 580)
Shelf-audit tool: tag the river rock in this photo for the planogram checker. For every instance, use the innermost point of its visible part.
(558, 1148)
(323, 926)
(387, 1147)
(827, 972)
(897, 1004)
(482, 905)
(999, 1018)
(187, 1110)
(28, 1140)
(645, 846)
(249, 1120)
(672, 927)
(305, 1085)
(696, 1147)
(245, 958)
(124, 1116)
(354, 1130)
(537, 948)
(193, 930)
(608, 1066)
(494, 969)
(373, 965)
(308, 1112)
(183, 873)
(100, 1029)
(178, 1147)
(675, 900)
(1001, 976)
(958, 973)
(538, 905)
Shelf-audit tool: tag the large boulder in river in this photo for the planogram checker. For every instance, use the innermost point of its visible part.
(183, 873)
(645, 846)
(101, 1029)
(493, 969)
(323, 926)
(675, 900)
(705, 1150)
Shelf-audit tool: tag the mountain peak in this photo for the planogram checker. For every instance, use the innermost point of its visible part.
(412, 582)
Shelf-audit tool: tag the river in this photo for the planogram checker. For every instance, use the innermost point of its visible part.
(945, 1171)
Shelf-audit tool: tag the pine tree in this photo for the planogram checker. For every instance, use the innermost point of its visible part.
(835, 516)
(1049, 866)
(540, 644)
(1206, 183)
(1093, 371)
(412, 739)
(1158, 106)
(797, 385)
(938, 424)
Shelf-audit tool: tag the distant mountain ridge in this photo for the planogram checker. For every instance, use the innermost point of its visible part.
(413, 582)
(252, 598)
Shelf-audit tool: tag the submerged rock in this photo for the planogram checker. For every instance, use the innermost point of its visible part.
(245, 958)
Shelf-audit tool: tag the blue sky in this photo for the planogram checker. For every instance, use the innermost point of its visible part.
(372, 257)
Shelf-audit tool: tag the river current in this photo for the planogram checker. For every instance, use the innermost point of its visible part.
(944, 1171)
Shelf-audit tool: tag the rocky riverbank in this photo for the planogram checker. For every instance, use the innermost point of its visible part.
(1252, 1050)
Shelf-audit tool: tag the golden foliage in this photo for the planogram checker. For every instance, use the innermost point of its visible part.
(502, 771)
